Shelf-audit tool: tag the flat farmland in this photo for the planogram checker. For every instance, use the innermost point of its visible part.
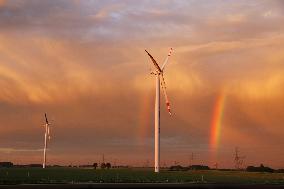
(11, 176)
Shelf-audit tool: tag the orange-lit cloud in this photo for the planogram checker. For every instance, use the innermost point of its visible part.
(84, 63)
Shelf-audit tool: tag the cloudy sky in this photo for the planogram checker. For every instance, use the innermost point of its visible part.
(83, 62)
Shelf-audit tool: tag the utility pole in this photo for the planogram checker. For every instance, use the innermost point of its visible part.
(114, 162)
(190, 159)
(238, 159)
(216, 165)
(165, 164)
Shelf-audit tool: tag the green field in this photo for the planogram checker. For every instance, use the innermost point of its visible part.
(76, 175)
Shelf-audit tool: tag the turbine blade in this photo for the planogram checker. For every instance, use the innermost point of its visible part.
(167, 59)
(154, 61)
(46, 121)
(163, 84)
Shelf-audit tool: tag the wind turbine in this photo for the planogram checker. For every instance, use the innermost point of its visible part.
(159, 72)
(46, 137)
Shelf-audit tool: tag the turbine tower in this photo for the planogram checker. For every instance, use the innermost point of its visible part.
(46, 137)
(159, 72)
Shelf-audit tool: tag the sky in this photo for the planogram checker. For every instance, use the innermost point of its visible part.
(83, 62)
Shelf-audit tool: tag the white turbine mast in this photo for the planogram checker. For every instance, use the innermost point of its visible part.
(46, 138)
(159, 73)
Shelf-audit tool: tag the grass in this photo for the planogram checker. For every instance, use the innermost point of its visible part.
(77, 175)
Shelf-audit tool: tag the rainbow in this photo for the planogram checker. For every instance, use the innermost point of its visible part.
(217, 118)
(144, 117)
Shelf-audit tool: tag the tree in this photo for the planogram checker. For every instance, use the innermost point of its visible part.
(177, 168)
(108, 165)
(95, 165)
(103, 165)
(6, 164)
(261, 168)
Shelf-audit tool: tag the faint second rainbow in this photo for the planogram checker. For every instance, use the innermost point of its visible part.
(217, 118)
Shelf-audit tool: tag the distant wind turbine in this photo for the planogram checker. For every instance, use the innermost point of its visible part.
(159, 73)
(46, 137)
